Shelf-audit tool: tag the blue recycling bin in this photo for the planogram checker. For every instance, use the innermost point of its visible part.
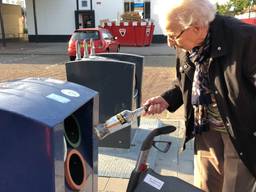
(138, 60)
(47, 143)
(115, 82)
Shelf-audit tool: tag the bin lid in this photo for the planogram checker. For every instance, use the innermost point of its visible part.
(45, 100)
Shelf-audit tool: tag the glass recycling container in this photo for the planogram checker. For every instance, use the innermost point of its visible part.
(47, 141)
(114, 80)
(138, 60)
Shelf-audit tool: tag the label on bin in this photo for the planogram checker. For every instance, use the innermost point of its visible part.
(153, 181)
(58, 98)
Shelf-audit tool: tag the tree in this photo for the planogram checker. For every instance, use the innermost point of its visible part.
(240, 5)
(224, 9)
(234, 7)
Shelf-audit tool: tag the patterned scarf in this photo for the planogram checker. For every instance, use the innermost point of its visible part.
(201, 92)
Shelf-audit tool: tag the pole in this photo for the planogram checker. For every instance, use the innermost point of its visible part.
(35, 20)
(2, 25)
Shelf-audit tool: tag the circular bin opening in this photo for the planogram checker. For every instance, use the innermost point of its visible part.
(72, 131)
(75, 170)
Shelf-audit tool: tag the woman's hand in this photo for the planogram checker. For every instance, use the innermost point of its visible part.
(156, 105)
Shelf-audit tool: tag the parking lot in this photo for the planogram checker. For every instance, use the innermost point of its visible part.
(23, 59)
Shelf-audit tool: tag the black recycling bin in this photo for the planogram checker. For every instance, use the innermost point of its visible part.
(139, 64)
(115, 81)
(47, 142)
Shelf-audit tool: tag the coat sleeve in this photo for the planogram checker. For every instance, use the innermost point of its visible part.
(173, 96)
(251, 58)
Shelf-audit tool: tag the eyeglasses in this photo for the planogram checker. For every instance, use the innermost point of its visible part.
(174, 38)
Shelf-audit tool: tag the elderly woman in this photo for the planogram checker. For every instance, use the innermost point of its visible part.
(216, 84)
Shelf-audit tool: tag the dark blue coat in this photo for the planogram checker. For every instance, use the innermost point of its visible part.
(232, 74)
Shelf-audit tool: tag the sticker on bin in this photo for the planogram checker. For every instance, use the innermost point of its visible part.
(122, 32)
(58, 98)
(134, 23)
(126, 23)
(70, 92)
(154, 182)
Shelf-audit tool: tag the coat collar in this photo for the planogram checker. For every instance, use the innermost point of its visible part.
(219, 41)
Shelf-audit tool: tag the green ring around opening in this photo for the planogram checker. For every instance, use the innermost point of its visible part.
(74, 145)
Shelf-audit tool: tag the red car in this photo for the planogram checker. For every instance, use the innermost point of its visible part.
(249, 20)
(102, 38)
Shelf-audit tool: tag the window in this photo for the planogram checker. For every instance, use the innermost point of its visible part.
(128, 6)
(107, 35)
(146, 10)
(87, 35)
(84, 3)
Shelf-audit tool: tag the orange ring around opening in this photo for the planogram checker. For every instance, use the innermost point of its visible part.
(68, 176)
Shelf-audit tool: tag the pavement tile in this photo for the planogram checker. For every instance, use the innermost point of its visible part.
(186, 166)
(186, 177)
(102, 183)
(116, 185)
(186, 155)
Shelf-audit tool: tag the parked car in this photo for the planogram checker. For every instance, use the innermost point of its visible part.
(102, 38)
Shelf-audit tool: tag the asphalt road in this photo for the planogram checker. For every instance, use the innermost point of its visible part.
(33, 59)
(156, 55)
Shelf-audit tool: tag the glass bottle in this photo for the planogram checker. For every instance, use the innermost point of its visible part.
(118, 122)
(92, 47)
(78, 49)
(86, 54)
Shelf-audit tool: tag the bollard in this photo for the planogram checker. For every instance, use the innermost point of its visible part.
(86, 55)
(78, 50)
(92, 48)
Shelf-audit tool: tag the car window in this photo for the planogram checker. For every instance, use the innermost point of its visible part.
(106, 35)
(110, 36)
(81, 35)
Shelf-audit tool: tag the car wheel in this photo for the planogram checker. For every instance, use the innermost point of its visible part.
(72, 58)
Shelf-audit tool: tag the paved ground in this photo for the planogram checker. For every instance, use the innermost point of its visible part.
(157, 55)
(171, 163)
(20, 60)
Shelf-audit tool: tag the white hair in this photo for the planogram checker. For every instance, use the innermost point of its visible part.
(190, 13)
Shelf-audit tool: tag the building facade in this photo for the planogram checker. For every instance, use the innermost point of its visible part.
(49, 20)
